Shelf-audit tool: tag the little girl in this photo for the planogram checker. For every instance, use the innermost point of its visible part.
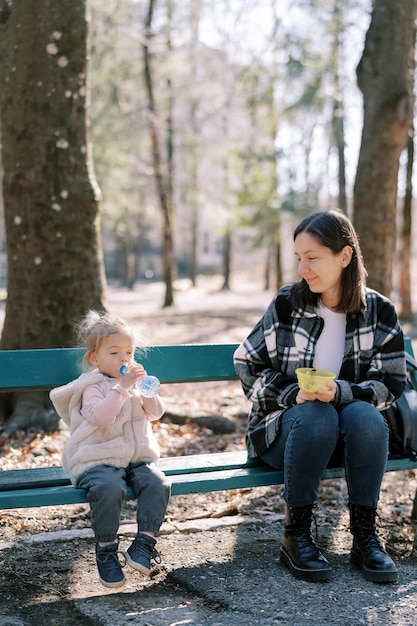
(111, 444)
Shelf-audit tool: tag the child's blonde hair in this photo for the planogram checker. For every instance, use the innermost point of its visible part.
(94, 327)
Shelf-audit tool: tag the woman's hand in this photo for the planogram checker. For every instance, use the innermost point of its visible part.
(324, 395)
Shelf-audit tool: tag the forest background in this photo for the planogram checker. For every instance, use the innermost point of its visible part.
(260, 118)
(260, 112)
(182, 138)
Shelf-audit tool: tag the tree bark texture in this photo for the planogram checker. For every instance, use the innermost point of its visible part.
(162, 182)
(55, 268)
(406, 311)
(386, 81)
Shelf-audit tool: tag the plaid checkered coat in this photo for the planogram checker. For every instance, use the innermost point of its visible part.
(373, 367)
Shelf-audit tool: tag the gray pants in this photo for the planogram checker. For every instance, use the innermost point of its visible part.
(106, 488)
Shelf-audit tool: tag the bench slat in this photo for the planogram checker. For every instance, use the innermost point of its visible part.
(47, 368)
(198, 482)
(55, 476)
(12, 480)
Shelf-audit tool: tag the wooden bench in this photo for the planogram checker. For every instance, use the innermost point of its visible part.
(29, 370)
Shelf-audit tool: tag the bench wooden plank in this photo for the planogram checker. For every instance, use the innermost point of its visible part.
(48, 368)
(55, 476)
(14, 480)
(205, 481)
(11, 480)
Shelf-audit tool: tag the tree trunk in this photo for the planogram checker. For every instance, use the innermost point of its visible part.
(338, 118)
(227, 252)
(406, 311)
(278, 271)
(268, 264)
(384, 78)
(405, 243)
(55, 270)
(54, 258)
(1, 203)
(161, 179)
(192, 192)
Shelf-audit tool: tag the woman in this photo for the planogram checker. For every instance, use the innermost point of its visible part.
(328, 320)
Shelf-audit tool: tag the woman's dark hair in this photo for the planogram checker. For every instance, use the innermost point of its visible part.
(334, 230)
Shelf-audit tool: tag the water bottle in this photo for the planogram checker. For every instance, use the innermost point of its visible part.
(148, 386)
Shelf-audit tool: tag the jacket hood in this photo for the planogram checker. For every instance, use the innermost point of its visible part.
(66, 397)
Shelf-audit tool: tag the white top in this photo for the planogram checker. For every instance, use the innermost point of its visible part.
(330, 345)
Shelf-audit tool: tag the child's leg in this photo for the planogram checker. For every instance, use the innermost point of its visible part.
(106, 488)
(153, 489)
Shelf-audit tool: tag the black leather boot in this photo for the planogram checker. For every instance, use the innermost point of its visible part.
(298, 551)
(367, 551)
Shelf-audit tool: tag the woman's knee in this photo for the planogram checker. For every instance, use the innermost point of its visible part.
(305, 426)
(308, 410)
(314, 416)
(363, 419)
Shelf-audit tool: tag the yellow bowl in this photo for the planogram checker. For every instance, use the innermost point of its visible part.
(311, 379)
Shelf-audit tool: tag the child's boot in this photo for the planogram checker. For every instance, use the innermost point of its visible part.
(108, 565)
(140, 553)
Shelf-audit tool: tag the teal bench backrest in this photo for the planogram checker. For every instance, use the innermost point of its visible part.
(48, 368)
(44, 369)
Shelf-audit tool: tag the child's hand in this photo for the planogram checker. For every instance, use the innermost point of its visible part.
(133, 372)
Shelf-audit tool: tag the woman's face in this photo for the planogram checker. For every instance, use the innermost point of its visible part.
(320, 267)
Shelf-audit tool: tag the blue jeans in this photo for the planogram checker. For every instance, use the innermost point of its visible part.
(106, 488)
(307, 438)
